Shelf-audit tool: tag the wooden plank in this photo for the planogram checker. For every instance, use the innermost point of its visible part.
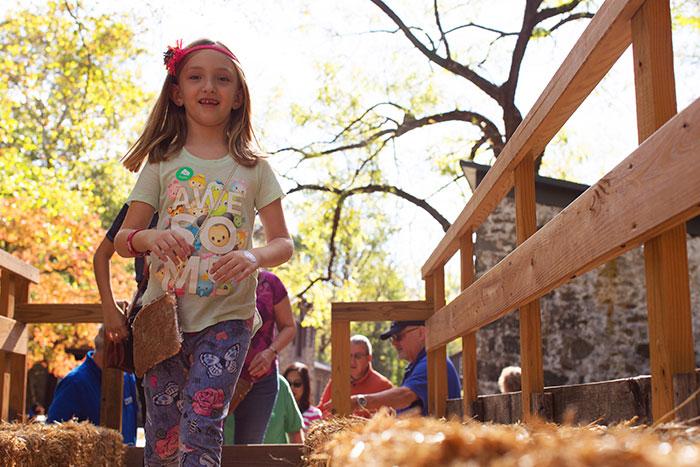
(532, 377)
(6, 387)
(19, 267)
(340, 365)
(665, 257)
(685, 399)
(287, 455)
(382, 311)
(111, 398)
(601, 44)
(437, 358)
(59, 313)
(13, 336)
(470, 383)
(7, 294)
(598, 226)
(18, 386)
(669, 315)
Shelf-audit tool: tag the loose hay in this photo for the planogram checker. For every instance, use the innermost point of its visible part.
(65, 444)
(388, 441)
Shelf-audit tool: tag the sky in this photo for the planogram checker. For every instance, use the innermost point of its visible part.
(282, 43)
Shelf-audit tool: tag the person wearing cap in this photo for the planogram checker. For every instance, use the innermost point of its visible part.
(363, 378)
(408, 338)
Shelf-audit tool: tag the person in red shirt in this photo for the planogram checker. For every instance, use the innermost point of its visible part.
(363, 378)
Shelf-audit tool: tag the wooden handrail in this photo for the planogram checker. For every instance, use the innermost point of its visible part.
(19, 267)
(382, 311)
(60, 312)
(602, 223)
(596, 51)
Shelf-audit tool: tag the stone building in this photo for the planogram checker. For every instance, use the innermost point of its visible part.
(594, 327)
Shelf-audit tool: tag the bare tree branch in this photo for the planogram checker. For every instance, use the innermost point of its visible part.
(455, 67)
(443, 37)
(561, 9)
(572, 17)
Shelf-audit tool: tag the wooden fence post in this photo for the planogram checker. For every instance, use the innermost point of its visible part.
(530, 322)
(14, 290)
(470, 383)
(666, 259)
(437, 358)
(340, 365)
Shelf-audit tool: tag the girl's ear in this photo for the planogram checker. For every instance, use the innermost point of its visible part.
(176, 95)
(237, 100)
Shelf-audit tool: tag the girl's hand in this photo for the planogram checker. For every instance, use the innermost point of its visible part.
(114, 322)
(236, 265)
(167, 244)
(261, 363)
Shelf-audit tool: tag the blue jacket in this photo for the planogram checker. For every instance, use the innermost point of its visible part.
(416, 379)
(78, 395)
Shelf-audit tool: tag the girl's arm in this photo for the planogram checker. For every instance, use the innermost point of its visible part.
(286, 330)
(278, 249)
(162, 243)
(114, 319)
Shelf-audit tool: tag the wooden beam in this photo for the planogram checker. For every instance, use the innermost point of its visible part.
(340, 365)
(601, 44)
(382, 311)
(59, 313)
(111, 398)
(666, 259)
(470, 383)
(19, 267)
(18, 387)
(532, 378)
(283, 455)
(437, 358)
(598, 226)
(13, 336)
(8, 280)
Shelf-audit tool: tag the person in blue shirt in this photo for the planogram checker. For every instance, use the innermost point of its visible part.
(78, 394)
(408, 338)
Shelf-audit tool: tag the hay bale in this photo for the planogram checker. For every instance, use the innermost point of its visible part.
(69, 443)
(388, 441)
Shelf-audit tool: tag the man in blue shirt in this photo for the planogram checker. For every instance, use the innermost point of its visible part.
(408, 338)
(78, 394)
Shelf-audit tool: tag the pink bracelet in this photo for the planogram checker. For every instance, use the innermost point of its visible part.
(130, 245)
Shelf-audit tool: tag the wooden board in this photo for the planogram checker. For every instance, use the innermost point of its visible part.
(19, 267)
(470, 383)
(340, 366)
(382, 311)
(607, 402)
(665, 257)
(59, 313)
(13, 336)
(287, 455)
(601, 44)
(604, 222)
(111, 398)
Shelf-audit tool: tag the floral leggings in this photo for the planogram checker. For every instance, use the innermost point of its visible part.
(187, 396)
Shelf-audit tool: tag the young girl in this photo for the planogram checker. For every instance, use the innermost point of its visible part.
(205, 180)
(297, 374)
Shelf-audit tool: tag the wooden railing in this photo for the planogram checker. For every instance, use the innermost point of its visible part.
(15, 313)
(646, 200)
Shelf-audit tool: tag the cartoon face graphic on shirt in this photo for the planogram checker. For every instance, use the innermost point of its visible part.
(218, 234)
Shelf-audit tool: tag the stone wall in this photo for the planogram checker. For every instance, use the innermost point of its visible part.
(593, 328)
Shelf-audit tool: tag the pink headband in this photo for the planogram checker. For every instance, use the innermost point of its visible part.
(174, 55)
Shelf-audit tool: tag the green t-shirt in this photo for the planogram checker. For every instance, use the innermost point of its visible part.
(183, 189)
(285, 418)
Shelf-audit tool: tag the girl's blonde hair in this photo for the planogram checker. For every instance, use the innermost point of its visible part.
(166, 128)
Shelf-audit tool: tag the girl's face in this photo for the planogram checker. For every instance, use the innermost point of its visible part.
(209, 89)
(297, 385)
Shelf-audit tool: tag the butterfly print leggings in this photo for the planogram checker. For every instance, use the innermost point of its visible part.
(187, 396)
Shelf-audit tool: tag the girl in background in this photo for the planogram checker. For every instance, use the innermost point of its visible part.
(297, 374)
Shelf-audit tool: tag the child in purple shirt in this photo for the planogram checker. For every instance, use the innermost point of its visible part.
(253, 413)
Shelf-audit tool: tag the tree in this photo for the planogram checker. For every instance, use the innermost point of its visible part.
(365, 121)
(68, 87)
